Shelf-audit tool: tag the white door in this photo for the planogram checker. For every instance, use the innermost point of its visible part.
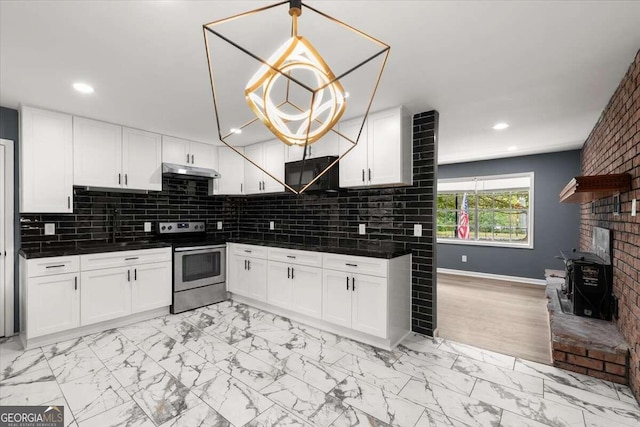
(273, 162)
(142, 159)
(257, 276)
(231, 168)
(384, 156)
(238, 281)
(3, 238)
(253, 176)
(105, 294)
(307, 290)
(353, 165)
(97, 154)
(46, 160)
(204, 155)
(280, 285)
(151, 286)
(175, 150)
(53, 304)
(336, 299)
(369, 304)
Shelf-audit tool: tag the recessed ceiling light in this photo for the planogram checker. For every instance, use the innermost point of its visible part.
(83, 87)
(512, 148)
(236, 131)
(500, 126)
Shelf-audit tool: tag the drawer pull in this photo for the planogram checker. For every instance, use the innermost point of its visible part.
(288, 272)
(347, 282)
(351, 265)
(353, 283)
(131, 259)
(75, 283)
(56, 266)
(247, 251)
(292, 272)
(291, 256)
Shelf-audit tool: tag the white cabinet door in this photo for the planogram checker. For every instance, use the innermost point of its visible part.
(336, 299)
(328, 145)
(53, 304)
(238, 278)
(151, 286)
(46, 162)
(307, 290)
(97, 154)
(369, 305)
(175, 150)
(203, 155)
(231, 168)
(253, 176)
(257, 277)
(141, 160)
(105, 294)
(384, 148)
(280, 285)
(353, 166)
(273, 162)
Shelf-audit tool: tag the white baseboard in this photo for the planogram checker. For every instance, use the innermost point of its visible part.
(517, 279)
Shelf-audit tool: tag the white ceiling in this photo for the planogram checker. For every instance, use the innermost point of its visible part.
(547, 68)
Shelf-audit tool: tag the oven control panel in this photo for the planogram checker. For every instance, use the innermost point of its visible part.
(181, 227)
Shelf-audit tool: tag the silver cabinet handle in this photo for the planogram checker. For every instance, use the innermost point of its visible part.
(193, 159)
(75, 283)
(187, 158)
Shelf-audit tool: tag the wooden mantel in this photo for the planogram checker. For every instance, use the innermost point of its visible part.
(583, 189)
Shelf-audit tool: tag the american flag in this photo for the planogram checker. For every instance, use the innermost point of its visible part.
(463, 226)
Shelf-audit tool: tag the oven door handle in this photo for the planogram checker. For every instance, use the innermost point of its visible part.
(199, 248)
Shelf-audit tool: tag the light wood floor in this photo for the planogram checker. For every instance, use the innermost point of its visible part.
(506, 317)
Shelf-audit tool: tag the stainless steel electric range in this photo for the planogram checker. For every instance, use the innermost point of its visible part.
(199, 265)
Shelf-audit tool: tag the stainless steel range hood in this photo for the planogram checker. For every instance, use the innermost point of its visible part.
(172, 169)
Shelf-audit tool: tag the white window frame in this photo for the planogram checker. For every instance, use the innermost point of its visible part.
(528, 245)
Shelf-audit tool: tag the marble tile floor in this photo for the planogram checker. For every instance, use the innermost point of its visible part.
(234, 365)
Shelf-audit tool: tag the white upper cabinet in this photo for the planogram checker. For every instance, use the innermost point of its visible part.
(110, 156)
(270, 156)
(97, 154)
(383, 155)
(231, 169)
(328, 145)
(46, 162)
(190, 153)
(141, 160)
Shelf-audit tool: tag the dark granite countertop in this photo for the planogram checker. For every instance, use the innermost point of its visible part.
(91, 248)
(385, 251)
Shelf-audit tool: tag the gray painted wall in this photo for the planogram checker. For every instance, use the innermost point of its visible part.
(556, 225)
(9, 130)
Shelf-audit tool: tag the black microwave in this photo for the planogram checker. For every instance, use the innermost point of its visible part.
(300, 173)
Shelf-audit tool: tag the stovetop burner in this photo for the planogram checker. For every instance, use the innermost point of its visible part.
(185, 234)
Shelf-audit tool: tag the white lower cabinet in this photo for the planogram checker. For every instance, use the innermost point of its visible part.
(248, 276)
(307, 290)
(105, 295)
(53, 304)
(280, 288)
(61, 294)
(336, 298)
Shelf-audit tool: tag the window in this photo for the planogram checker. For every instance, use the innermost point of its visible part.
(499, 210)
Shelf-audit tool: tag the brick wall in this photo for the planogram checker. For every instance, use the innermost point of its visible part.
(595, 363)
(614, 147)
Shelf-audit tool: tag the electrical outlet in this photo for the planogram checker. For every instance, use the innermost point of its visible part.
(147, 227)
(417, 230)
(362, 229)
(219, 225)
(633, 207)
(272, 225)
(464, 258)
(49, 229)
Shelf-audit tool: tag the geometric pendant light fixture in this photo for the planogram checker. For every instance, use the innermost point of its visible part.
(277, 74)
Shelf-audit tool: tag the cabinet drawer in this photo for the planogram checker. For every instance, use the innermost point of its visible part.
(248, 250)
(53, 265)
(356, 264)
(123, 258)
(291, 256)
